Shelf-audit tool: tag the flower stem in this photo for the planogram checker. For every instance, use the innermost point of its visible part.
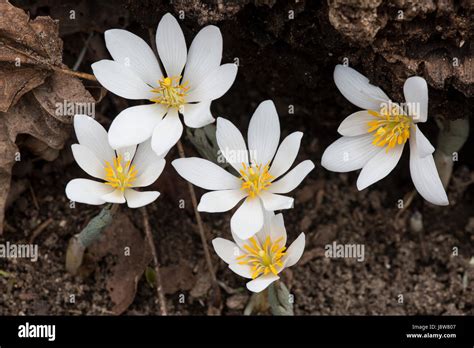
(279, 299)
(451, 138)
(81, 241)
(159, 283)
(202, 231)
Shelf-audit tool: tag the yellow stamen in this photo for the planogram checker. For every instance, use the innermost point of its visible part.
(390, 128)
(255, 179)
(170, 92)
(263, 258)
(120, 175)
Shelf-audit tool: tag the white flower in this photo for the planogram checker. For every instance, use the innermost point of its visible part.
(262, 257)
(122, 170)
(135, 73)
(257, 176)
(373, 139)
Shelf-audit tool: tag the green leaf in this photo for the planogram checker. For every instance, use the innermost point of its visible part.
(150, 276)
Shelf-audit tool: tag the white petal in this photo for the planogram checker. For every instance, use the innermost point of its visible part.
(166, 133)
(226, 250)
(423, 145)
(121, 81)
(115, 196)
(272, 201)
(273, 226)
(197, 115)
(137, 199)
(278, 229)
(356, 88)
(349, 153)
(295, 251)
(219, 201)
(135, 124)
(146, 159)
(356, 124)
(231, 143)
(127, 153)
(150, 173)
(264, 133)
(415, 90)
(293, 178)
(205, 174)
(241, 270)
(205, 55)
(266, 228)
(214, 85)
(92, 135)
(261, 283)
(248, 219)
(88, 161)
(286, 154)
(379, 166)
(87, 191)
(425, 176)
(134, 53)
(171, 45)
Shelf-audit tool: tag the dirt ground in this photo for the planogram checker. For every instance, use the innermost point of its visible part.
(290, 61)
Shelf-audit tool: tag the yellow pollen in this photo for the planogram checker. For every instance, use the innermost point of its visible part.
(391, 128)
(170, 92)
(255, 179)
(120, 175)
(263, 258)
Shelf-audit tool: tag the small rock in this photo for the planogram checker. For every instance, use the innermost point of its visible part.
(237, 301)
(470, 225)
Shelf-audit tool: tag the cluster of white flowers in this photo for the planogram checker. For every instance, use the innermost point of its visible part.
(132, 154)
(260, 237)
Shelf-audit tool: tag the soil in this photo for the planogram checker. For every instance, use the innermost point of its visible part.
(289, 61)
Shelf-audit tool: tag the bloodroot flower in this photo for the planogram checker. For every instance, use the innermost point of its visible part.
(373, 139)
(259, 167)
(121, 170)
(135, 73)
(263, 256)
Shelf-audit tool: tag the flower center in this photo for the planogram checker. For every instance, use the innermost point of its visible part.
(265, 258)
(391, 127)
(120, 174)
(255, 179)
(170, 93)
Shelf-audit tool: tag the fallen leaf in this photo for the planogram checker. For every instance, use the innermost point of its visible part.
(36, 98)
(178, 277)
(26, 117)
(124, 269)
(29, 49)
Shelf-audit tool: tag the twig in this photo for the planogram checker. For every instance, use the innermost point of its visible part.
(79, 74)
(159, 283)
(408, 200)
(47, 65)
(40, 229)
(202, 232)
(33, 196)
(80, 58)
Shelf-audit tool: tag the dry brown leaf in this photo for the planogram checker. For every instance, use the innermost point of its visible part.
(28, 51)
(26, 117)
(35, 100)
(123, 272)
